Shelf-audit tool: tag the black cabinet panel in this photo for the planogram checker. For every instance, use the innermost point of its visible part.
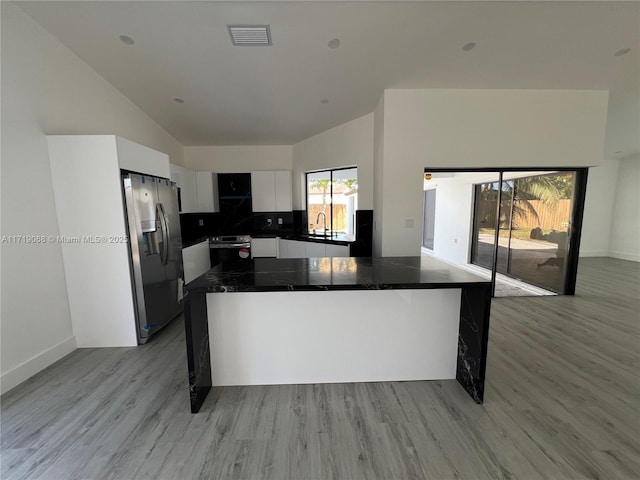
(234, 185)
(234, 191)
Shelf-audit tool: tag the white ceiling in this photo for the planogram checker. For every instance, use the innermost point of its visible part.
(271, 95)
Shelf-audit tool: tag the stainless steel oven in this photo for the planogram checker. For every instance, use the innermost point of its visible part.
(229, 247)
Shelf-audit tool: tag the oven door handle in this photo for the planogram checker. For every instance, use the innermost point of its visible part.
(229, 245)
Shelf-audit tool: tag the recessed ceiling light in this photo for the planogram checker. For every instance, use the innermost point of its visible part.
(178, 100)
(622, 51)
(126, 39)
(250, 35)
(334, 43)
(324, 101)
(469, 46)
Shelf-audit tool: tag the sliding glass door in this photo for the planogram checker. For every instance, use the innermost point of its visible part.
(532, 217)
(485, 221)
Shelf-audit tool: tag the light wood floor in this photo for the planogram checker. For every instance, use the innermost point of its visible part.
(562, 402)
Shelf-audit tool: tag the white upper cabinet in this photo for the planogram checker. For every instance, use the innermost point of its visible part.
(140, 159)
(283, 191)
(198, 190)
(207, 192)
(188, 192)
(271, 191)
(263, 192)
(185, 179)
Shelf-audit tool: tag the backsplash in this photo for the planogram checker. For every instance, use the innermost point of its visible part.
(300, 222)
(363, 246)
(272, 223)
(198, 225)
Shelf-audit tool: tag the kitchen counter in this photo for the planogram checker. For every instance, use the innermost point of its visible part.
(323, 274)
(448, 308)
(331, 239)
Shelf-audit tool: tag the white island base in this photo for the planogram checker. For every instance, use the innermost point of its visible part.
(264, 338)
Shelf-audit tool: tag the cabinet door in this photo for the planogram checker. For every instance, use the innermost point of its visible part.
(283, 248)
(185, 179)
(263, 195)
(283, 191)
(196, 260)
(188, 191)
(263, 247)
(176, 174)
(337, 250)
(234, 186)
(315, 249)
(296, 249)
(204, 191)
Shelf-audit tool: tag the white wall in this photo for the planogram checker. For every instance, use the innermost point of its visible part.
(238, 159)
(46, 89)
(345, 145)
(477, 128)
(624, 242)
(454, 208)
(378, 171)
(598, 205)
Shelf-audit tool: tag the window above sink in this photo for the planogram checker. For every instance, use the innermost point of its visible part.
(332, 200)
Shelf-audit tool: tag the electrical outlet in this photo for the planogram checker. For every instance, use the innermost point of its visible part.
(279, 220)
(200, 222)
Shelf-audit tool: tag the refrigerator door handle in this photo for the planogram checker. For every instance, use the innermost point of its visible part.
(165, 233)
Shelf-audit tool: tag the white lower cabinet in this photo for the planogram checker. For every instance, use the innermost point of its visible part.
(264, 247)
(196, 260)
(315, 249)
(298, 249)
(295, 249)
(337, 250)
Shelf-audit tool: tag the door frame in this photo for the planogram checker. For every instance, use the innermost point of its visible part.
(577, 214)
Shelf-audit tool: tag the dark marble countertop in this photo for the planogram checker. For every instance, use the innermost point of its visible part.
(333, 239)
(191, 243)
(344, 273)
(265, 235)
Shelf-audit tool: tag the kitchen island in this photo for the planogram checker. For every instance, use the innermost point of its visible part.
(332, 320)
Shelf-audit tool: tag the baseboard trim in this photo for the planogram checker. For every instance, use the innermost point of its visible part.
(624, 256)
(28, 369)
(594, 253)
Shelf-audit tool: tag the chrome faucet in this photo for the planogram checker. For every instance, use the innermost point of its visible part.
(324, 224)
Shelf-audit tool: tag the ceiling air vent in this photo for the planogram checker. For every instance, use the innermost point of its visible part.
(250, 35)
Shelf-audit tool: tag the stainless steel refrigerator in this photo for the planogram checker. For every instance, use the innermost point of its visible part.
(155, 247)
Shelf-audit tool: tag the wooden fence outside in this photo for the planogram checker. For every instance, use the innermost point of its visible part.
(546, 217)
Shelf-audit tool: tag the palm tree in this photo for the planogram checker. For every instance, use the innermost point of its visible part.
(549, 189)
(321, 184)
